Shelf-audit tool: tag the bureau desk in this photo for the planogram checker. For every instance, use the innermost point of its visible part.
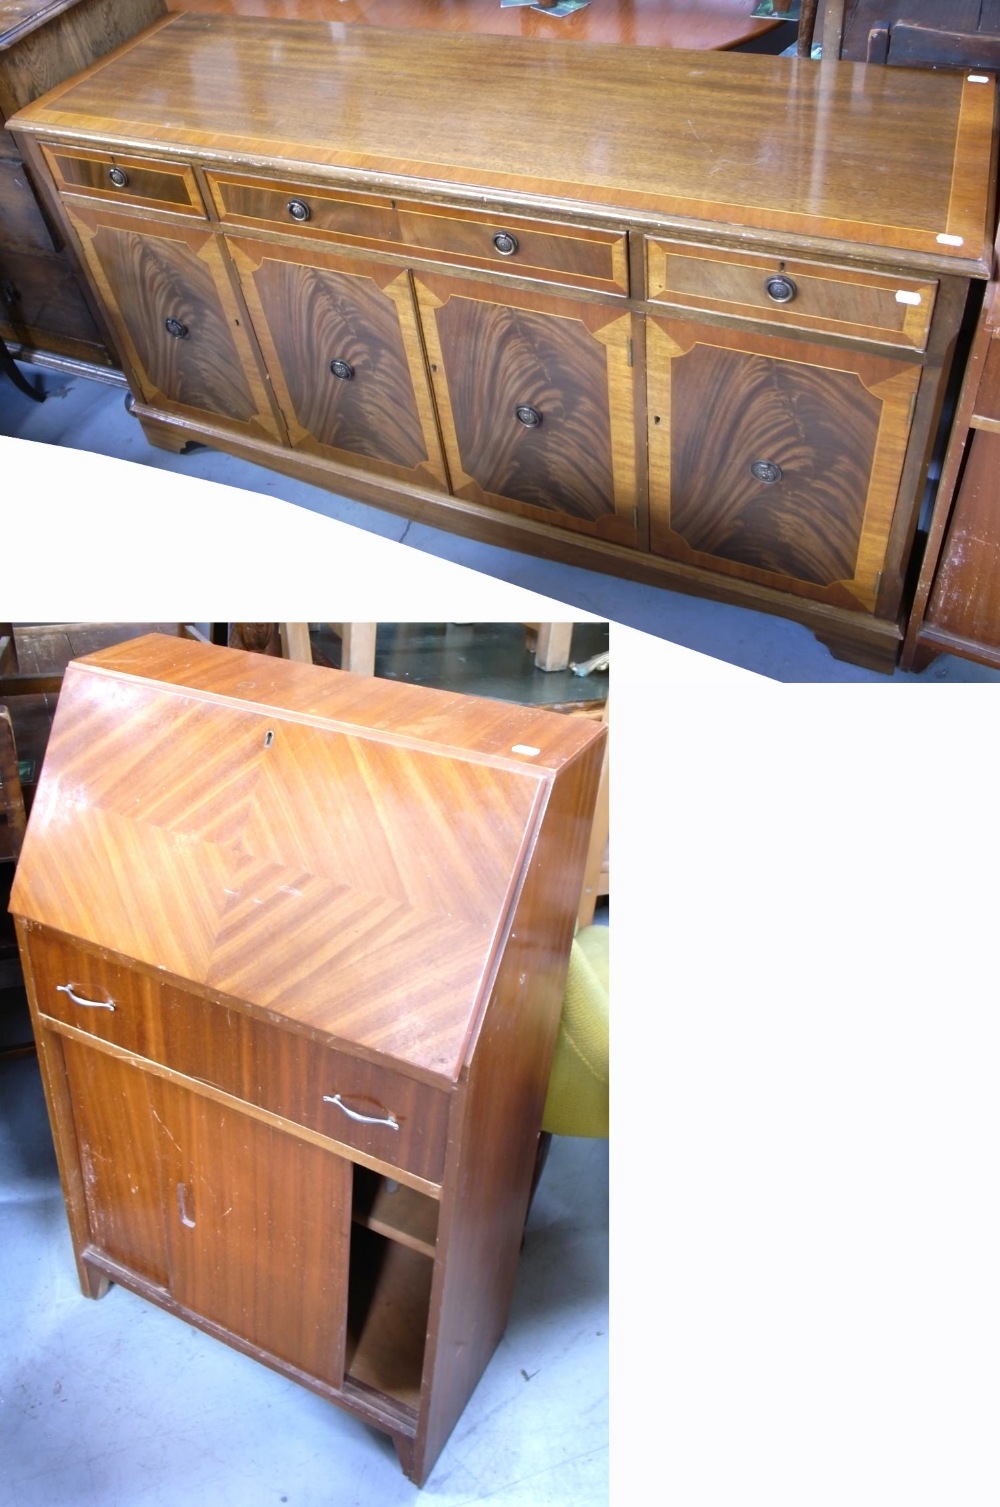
(295, 943)
(687, 317)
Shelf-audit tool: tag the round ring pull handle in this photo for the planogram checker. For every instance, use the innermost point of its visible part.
(528, 416)
(342, 369)
(352, 1114)
(298, 210)
(118, 176)
(765, 471)
(780, 289)
(505, 243)
(88, 1004)
(175, 328)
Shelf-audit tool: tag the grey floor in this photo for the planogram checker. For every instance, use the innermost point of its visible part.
(82, 414)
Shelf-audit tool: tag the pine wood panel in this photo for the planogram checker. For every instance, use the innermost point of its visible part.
(723, 164)
(833, 425)
(310, 310)
(154, 276)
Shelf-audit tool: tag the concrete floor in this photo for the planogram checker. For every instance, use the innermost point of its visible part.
(81, 414)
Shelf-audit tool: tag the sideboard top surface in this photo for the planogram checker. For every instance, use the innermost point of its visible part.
(824, 152)
(340, 851)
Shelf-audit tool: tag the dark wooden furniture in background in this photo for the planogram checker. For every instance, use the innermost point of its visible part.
(44, 312)
(645, 23)
(956, 608)
(552, 334)
(912, 33)
(296, 1052)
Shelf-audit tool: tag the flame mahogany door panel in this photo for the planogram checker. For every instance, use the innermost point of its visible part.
(536, 400)
(775, 460)
(168, 292)
(342, 346)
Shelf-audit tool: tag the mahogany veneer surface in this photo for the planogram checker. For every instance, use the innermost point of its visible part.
(739, 138)
(653, 23)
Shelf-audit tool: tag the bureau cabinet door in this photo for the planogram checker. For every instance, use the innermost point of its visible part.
(536, 400)
(179, 325)
(774, 460)
(241, 1223)
(262, 1235)
(341, 343)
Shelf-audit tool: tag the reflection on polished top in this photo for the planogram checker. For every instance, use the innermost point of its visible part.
(823, 153)
(649, 23)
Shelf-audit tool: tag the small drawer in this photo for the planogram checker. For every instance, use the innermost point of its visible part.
(577, 255)
(807, 295)
(127, 180)
(369, 1107)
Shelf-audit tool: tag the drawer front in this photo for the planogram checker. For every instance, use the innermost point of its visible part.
(365, 1106)
(582, 256)
(144, 181)
(835, 300)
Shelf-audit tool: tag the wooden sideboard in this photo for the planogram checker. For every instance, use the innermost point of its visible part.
(295, 943)
(44, 309)
(686, 317)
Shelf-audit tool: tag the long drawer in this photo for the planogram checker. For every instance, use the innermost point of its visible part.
(552, 251)
(371, 1108)
(835, 300)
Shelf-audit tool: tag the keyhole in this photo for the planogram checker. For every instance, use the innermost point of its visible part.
(269, 737)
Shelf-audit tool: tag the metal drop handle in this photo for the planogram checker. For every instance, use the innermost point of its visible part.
(89, 1004)
(528, 416)
(352, 1114)
(176, 327)
(118, 177)
(298, 210)
(505, 243)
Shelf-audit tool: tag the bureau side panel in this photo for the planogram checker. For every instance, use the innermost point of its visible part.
(492, 1151)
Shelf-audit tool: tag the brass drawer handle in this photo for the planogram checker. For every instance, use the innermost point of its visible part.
(342, 369)
(780, 289)
(298, 210)
(352, 1114)
(118, 177)
(505, 243)
(528, 416)
(89, 1004)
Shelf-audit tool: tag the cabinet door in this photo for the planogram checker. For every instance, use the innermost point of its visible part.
(776, 461)
(262, 1235)
(241, 1223)
(536, 400)
(179, 324)
(341, 343)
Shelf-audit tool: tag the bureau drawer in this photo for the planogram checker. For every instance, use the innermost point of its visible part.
(369, 1107)
(145, 181)
(807, 295)
(583, 256)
